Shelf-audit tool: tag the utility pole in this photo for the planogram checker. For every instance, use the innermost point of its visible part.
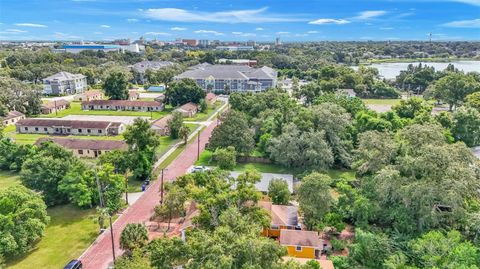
(198, 145)
(56, 111)
(126, 188)
(102, 204)
(161, 188)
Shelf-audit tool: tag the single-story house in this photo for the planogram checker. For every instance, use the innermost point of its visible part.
(210, 98)
(161, 127)
(122, 105)
(54, 106)
(160, 98)
(133, 95)
(12, 117)
(476, 151)
(89, 96)
(348, 92)
(89, 148)
(69, 127)
(188, 110)
(266, 178)
(283, 217)
(301, 244)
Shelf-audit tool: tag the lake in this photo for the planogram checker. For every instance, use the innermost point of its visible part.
(391, 70)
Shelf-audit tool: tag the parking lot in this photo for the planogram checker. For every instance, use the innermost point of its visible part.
(124, 119)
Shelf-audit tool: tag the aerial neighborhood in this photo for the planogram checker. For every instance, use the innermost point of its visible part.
(234, 135)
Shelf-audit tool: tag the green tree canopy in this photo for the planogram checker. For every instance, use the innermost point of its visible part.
(233, 131)
(184, 91)
(116, 86)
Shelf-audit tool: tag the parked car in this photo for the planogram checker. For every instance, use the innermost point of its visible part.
(74, 264)
(197, 169)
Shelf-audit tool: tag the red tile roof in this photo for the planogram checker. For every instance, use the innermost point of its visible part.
(66, 123)
(162, 122)
(54, 104)
(281, 214)
(92, 144)
(210, 96)
(188, 107)
(92, 93)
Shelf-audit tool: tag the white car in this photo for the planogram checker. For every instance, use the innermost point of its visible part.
(196, 169)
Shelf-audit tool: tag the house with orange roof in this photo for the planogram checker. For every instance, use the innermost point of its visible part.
(284, 217)
(301, 244)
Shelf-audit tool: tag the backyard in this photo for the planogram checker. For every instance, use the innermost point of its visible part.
(8, 179)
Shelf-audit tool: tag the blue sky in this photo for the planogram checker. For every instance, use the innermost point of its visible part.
(260, 20)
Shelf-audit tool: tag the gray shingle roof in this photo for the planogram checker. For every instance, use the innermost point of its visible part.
(239, 72)
(61, 76)
(142, 66)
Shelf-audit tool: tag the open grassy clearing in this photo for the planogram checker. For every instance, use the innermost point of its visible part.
(381, 101)
(70, 232)
(206, 160)
(9, 179)
(75, 109)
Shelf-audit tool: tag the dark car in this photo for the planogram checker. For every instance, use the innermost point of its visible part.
(74, 264)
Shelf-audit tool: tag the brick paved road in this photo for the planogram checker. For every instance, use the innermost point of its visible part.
(99, 254)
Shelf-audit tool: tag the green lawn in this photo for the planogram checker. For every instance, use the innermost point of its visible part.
(9, 128)
(381, 101)
(75, 109)
(32, 138)
(70, 232)
(8, 179)
(206, 160)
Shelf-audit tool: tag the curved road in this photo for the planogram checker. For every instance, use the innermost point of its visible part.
(99, 254)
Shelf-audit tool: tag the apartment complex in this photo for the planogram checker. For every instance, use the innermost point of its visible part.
(89, 148)
(69, 127)
(144, 106)
(231, 77)
(64, 83)
(140, 68)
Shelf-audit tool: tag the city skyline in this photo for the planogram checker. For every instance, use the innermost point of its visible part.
(105, 20)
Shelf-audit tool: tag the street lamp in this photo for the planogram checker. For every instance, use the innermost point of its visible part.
(161, 186)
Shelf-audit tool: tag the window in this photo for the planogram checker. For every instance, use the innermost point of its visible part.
(99, 131)
(36, 129)
(79, 130)
(26, 128)
(80, 151)
(275, 227)
(45, 129)
(298, 248)
(89, 131)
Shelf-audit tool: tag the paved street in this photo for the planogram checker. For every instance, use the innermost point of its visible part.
(99, 254)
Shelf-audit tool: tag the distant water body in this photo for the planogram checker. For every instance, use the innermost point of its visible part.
(392, 70)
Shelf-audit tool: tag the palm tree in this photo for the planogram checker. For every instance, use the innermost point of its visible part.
(183, 132)
(134, 236)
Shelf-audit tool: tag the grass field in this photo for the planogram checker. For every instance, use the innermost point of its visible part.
(70, 232)
(75, 109)
(381, 101)
(32, 138)
(8, 179)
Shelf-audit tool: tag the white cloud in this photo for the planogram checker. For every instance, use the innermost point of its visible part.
(158, 33)
(178, 29)
(60, 35)
(97, 33)
(243, 34)
(259, 29)
(369, 14)
(211, 32)
(105, 26)
(229, 16)
(475, 23)
(312, 32)
(31, 25)
(329, 21)
(471, 2)
(14, 31)
(386, 28)
(132, 20)
(282, 33)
